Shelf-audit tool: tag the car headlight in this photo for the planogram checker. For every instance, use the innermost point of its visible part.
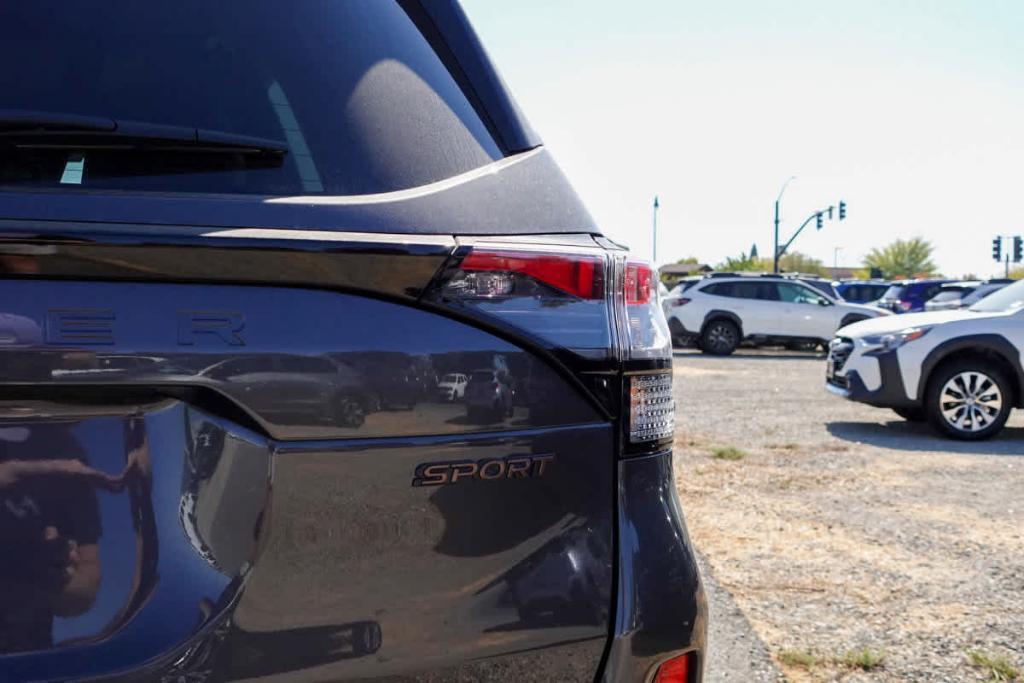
(894, 340)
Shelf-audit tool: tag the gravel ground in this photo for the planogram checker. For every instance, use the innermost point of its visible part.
(842, 528)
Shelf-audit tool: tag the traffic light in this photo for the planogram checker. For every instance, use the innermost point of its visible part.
(1018, 249)
(842, 211)
(819, 220)
(997, 249)
(830, 208)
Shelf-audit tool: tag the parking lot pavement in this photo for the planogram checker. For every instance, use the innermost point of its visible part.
(836, 528)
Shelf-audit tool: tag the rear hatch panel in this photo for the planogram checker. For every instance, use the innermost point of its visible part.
(292, 493)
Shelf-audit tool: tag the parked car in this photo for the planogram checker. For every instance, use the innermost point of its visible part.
(956, 295)
(907, 296)
(862, 291)
(452, 386)
(291, 203)
(719, 312)
(960, 370)
(489, 395)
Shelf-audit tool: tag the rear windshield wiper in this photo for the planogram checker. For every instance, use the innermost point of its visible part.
(25, 129)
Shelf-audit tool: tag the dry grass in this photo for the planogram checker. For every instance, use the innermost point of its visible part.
(998, 667)
(728, 453)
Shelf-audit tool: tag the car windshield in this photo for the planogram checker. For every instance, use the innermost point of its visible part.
(981, 292)
(354, 90)
(1006, 299)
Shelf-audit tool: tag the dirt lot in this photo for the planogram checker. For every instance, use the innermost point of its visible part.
(845, 535)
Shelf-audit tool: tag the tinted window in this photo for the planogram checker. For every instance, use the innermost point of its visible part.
(352, 88)
(719, 289)
(763, 291)
(797, 294)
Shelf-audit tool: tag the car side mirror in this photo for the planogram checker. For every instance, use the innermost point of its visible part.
(824, 302)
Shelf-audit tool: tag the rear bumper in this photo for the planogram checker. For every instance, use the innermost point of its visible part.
(660, 605)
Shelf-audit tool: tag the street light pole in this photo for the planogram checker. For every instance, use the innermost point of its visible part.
(775, 252)
(835, 258)
(654, 239)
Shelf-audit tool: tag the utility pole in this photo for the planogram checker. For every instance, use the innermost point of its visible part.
(654, 238)
(775, 251)
(835, 258)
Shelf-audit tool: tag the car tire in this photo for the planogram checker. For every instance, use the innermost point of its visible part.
(720, 338)
(969, 400)
(911, 413)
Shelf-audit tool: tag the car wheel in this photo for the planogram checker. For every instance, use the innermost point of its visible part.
(677, 332)
(911, 413)
(720, 338)
(969, 400)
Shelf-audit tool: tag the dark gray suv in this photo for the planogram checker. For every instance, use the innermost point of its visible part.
(239, 245)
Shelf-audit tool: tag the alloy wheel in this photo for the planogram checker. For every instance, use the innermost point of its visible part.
(970, 401)
(721, 337)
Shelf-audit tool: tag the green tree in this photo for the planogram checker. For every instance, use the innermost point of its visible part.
(794, 262)
(903, 258)
(742, 264)
(688, 261)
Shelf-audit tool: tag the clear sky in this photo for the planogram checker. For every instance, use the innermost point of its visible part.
(912, 112)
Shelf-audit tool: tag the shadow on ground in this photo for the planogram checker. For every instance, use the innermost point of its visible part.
(916, 436)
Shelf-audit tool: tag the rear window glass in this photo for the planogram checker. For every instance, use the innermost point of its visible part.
(355, 92)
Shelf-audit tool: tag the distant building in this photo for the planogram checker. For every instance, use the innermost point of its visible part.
(677, 271)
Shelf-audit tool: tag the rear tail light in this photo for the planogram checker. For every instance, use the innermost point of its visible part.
(638, 284)
(675, 670)
(580, 276)
(681, 301)
(558, 297)
(597, 304)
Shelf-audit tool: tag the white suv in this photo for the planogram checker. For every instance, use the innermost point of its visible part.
(960, 370)
(719, 312)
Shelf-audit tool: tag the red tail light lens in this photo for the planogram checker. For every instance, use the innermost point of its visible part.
(676, 670)
(639, 284)
(681, 302)
(581, 276)
(559, 297)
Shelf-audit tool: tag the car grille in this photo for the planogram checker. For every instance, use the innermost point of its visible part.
(839, 351)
